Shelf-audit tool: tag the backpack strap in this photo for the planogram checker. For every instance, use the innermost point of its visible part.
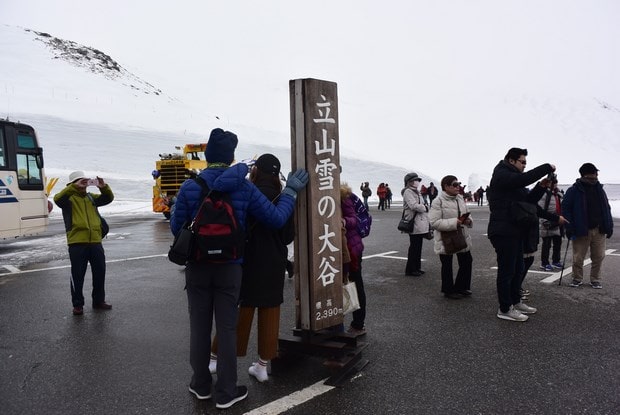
(203, 195)
(547, 200)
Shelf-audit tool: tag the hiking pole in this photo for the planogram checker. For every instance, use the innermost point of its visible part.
(564, 262)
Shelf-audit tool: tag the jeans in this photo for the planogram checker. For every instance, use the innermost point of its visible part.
(463, 275)
(80, 255)
(213, 289)
(547, 241)
(414, 255)
(359, 316)
(509, 252)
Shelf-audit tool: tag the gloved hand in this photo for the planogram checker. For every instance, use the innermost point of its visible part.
(295, 182)
(611, 232)
(569, 235)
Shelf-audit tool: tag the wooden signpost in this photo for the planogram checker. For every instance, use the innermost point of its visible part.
(319, 239)
(318, 247)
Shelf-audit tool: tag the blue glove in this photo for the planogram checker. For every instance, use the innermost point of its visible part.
(295, 182)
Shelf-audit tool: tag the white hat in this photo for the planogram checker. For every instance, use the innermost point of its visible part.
(76, 175)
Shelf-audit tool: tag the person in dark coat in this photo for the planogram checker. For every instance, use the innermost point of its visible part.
(587, 208)
(507, 188)
(264, 265)
(213, 288)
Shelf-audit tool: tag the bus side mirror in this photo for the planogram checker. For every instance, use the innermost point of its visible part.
(39, 158)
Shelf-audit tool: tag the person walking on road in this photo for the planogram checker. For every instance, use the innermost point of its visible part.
(586, 207)
(507, 194)
(84, 229)
(416, 210)
(449, 213)
(213, 288)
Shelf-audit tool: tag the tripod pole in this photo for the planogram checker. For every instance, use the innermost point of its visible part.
(564, 262)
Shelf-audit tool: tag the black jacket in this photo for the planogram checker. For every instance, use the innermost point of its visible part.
(264, 262)
(508, 185)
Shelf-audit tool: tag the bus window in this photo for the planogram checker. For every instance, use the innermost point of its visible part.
(2, 152)
(27, 171)
(25, 141)
(28, 163)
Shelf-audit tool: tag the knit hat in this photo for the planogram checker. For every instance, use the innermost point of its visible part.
(412, 176)
(268, 163)
(587, 168)
(75, 176)
(221, 147)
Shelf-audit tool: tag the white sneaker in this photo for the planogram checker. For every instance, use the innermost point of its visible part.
(259, 372)
(524, 308)
(511, 315)
(213, 366)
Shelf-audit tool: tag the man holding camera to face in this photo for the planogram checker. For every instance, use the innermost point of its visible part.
(84, 234)
(506, 196)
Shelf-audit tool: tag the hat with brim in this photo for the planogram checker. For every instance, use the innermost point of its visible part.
(412, 176)
(75, 176)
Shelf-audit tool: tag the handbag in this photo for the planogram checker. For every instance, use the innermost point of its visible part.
(406, 225)
(350, 300)
(453, 241)
(181, 249)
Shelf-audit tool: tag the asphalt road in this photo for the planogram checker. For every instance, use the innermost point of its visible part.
(427, 354)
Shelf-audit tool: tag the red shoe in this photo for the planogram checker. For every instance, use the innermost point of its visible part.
(78, 311)
(102, 306)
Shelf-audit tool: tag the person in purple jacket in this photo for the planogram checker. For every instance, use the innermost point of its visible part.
(356, 249)
(213, 288)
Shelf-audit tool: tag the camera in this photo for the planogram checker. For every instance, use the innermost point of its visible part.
(552, 176)
(92, 182)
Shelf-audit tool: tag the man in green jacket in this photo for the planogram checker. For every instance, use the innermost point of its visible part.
(84, 233)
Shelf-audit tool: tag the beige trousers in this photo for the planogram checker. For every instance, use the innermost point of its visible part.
(597, 244)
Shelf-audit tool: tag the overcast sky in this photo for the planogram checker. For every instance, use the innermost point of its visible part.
(398, 64)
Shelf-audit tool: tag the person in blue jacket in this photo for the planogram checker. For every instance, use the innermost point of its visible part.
(586, 207)
(213, 288)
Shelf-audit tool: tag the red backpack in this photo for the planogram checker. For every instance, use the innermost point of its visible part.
(218, 237)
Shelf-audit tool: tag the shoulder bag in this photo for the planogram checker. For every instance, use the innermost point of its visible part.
(454, 241)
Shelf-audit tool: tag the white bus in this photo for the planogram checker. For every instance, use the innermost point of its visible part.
(23, 202)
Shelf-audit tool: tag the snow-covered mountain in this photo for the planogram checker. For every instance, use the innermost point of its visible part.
(93, 114)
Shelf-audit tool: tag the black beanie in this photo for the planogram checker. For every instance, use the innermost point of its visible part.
(268, 163)
(221, 147)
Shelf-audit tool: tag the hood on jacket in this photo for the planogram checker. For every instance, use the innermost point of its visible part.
(225, 179)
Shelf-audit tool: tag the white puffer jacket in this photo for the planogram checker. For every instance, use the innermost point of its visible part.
(443, 216)
(414, 205)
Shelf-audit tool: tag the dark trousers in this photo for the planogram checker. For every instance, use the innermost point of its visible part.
(463, 275)
(80, 256)
(381, 203)
(414, 255)
(509, 252)
(213, 289)
(359, 316)
(547, 241)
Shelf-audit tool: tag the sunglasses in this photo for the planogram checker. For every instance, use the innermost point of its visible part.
(522, 162)
(456, 184)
